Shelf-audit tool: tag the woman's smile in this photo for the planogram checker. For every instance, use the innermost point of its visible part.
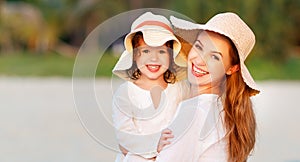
(197, 71)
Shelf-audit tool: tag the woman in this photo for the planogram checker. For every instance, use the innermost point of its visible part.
(217, 123)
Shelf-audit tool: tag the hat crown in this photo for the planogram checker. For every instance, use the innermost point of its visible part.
(151, 18)
(232, 26)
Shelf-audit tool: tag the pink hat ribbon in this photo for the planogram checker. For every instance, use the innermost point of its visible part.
(156, 23)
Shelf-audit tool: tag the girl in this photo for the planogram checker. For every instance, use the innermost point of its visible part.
(147, 102)
(222, 125)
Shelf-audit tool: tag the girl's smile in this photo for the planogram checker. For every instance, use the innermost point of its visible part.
(153, 68)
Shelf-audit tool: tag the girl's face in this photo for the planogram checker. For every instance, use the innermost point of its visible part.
(153, 62)
(209, 60)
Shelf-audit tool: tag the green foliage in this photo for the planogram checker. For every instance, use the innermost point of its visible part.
(25, 64)
(106, 64)
(265, 69)
(51, 64)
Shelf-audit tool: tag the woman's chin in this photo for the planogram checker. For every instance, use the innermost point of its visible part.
(193, 80)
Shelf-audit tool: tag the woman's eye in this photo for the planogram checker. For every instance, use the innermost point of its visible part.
(215, 57)
(198, 46)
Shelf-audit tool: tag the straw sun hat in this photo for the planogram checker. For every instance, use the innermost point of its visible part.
(156, 30)
(227, 24)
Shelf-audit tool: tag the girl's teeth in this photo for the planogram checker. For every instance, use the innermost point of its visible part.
(153, 67)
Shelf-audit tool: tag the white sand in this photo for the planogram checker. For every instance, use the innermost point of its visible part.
(38, 122)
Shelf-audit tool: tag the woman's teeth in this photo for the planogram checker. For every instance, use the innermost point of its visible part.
(198, 70)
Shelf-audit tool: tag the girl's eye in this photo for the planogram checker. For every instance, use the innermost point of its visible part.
(145, 51)
(162, 51)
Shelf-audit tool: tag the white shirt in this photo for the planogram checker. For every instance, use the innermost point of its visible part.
(199, 133)
(138, 124)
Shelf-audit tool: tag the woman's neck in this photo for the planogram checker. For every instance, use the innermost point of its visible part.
(197, 90)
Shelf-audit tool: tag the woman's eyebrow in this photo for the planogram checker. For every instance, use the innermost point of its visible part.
(199, 42)
(217, 52)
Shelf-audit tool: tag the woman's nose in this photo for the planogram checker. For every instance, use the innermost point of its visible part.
(200, 59)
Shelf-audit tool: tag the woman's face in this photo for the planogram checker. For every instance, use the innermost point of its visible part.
(208, 60)
(153, 62)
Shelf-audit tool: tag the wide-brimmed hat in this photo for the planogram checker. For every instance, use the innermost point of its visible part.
(227, 24)
(156, 30)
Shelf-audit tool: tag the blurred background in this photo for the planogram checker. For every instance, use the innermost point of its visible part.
(39, 40)
(38, 34)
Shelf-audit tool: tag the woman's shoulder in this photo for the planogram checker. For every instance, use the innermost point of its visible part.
(189, 102)
(202, 100)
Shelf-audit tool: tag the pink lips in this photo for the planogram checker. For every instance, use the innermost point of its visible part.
(198, 72)
(153, 68)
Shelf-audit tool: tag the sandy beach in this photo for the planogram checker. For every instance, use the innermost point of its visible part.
(39, 122)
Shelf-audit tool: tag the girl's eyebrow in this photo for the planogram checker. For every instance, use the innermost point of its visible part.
(143, 46)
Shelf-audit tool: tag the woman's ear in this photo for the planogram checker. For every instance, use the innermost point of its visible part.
(233, 69)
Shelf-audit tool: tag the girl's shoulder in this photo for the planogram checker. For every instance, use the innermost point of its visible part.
(130, 86)
(124, 88)
(129, 90)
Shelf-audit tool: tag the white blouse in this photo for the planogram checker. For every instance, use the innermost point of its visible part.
(199, 132)
(137, 123)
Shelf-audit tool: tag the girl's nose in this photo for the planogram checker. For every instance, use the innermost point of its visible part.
(154, 56)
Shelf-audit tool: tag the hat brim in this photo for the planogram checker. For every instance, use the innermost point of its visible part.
(248, 79)
(189, 31)
(124, 63)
